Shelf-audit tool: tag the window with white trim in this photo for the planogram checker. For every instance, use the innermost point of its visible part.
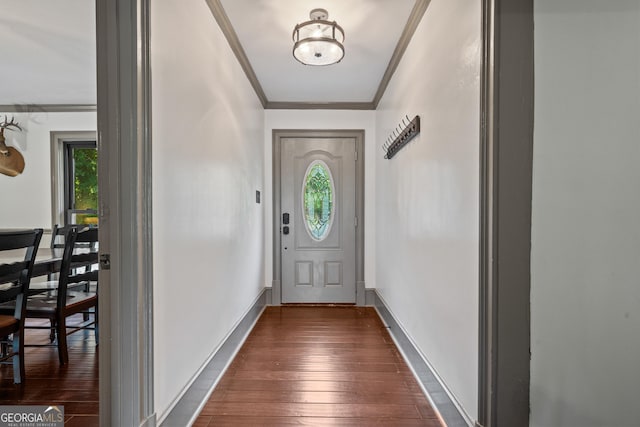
(80, 182)
(74, 173)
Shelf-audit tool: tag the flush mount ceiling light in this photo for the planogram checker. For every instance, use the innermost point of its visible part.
(318, 41)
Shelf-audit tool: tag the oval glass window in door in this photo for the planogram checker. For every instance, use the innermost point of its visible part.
(318, 200)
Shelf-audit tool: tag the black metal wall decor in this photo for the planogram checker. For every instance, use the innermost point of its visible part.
(401, 136)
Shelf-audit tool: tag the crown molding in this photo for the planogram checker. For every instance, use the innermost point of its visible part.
(46, 108)
(277, 105)
(419, 8)
(232, 38)
(222, 19)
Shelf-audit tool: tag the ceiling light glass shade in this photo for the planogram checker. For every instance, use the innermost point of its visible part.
(318, 41)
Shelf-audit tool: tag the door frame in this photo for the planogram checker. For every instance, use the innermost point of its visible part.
(277, 135)
(506, 169)
(124, 175)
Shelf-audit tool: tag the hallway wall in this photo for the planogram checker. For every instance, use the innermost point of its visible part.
(428, 195)
(208, 139)
(585, 260)
(321, 120)
(34, 143)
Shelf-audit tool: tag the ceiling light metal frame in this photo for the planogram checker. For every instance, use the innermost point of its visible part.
(319, 17)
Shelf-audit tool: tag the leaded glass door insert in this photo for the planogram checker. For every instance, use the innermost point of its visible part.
(318, 202)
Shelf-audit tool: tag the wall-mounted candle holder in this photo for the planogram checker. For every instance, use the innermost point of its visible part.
(401, 136)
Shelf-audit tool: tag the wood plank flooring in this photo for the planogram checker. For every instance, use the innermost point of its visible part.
(304, 366)
(75, 385)
(318, 366)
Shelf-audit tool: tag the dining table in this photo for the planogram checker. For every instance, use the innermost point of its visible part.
(47, 261)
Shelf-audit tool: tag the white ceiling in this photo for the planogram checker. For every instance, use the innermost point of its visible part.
(372, 29)
(47, 52)
(48, 49)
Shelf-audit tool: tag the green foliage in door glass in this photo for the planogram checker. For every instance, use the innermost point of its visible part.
(318, 201)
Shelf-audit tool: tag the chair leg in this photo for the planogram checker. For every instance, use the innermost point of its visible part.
(61, 330)
(4, 346)
(96, 330)
(85, 315)
(52, 334)
(18, 357)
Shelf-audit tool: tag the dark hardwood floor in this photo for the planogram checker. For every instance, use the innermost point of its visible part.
(310, 366)
(318, 366)
(75, 385)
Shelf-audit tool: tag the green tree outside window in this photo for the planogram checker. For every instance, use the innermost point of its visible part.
(85, 183)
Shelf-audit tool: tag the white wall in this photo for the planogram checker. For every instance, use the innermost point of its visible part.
(427, 198)
(321, 120)
(585, 260)
(208, 139)
(26, 198)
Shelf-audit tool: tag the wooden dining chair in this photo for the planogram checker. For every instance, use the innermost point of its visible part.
(79, 269)
(80, 250)
(57, 236)
(58, 233)
(14, 288)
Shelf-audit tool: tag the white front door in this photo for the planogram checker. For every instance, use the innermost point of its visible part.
(318, 220)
